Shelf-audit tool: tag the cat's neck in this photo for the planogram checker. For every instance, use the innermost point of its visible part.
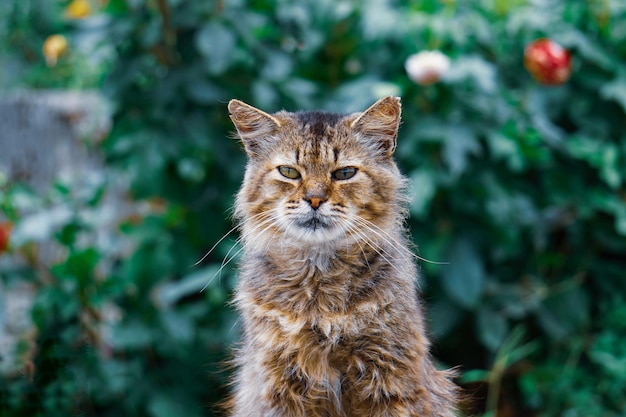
(348, 257)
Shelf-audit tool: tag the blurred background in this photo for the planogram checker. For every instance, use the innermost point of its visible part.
(117, 175)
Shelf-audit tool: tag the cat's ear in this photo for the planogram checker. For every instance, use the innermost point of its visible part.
(255, 127)
(378, 125)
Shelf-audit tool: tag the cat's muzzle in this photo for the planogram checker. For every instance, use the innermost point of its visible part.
(314, 222)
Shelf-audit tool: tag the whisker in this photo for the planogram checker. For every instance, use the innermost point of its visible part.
(377, 248)
(392, 241)
(241, 239)
(271, 239)
(360, 247)
(271, 217)
(222, 267)
(264, 225)
(225, 236)
(214, 246)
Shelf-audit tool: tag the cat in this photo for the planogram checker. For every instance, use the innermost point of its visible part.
(331, 322)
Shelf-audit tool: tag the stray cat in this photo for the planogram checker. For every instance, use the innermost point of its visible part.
(332, 326)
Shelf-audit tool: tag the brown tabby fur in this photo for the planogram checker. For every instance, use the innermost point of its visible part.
(332, 326)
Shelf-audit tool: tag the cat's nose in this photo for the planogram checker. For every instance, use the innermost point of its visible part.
(315, 199)
(315, 202)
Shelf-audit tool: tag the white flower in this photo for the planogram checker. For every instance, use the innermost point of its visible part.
(427, 67)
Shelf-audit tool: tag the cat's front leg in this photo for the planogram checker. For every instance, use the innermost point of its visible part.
(296, 394)
(400, 386)
(412, 403)
(373, 395)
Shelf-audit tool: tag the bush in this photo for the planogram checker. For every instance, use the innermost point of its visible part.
(518, 186)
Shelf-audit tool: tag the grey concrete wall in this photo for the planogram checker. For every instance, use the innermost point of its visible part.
(45, 134)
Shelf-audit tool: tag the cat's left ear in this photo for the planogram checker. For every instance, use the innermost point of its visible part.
(255, 127)
(378, 125)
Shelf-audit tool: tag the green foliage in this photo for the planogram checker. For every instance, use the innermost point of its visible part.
(519, 187)
(24, 27)
(116, 333)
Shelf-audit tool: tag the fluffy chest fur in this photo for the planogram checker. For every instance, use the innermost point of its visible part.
(331, 321)
(336, 295)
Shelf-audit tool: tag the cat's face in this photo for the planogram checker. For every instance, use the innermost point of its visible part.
(315, 177)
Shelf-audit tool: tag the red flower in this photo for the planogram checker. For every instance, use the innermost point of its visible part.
(5, 234)
(548, 62)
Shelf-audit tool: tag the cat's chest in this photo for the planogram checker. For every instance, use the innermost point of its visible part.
(316, 297)
(322, 327)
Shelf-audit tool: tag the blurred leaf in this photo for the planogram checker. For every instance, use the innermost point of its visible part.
(178, 326)
(601, 155)
(492, 328)
(459, 144)
(589, 49)
(564, 312)
(81, 265)
(191, 169)
(169, 293)
(475, 375)
(215, 43)
(115, 6)
(423, 189)
(205, 92)
(464, 279)
(301, 90)
(473, 68)
(444, 316)
(165, 406)
(503, 147)
(265, 94)
(41, 225)
(278, 66)
(356, 95)
(132, 335)
(616, 90)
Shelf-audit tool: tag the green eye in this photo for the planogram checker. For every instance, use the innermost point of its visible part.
(344, 173)
(289, 172)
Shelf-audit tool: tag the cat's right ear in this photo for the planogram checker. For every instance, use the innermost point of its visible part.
(255, 127)
(378, 125)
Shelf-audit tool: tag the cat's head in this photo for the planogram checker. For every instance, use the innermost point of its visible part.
(314, 178)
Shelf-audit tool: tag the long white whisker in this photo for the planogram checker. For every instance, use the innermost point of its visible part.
(271, 239)
(263, 226)
(228, 258)
(221, 268)
(392, 241)
(256, 227)
(353, 230)
(214, 246)
(271, 218)
(225, 236)
(383, 236)
(259, 229)
(376, 247)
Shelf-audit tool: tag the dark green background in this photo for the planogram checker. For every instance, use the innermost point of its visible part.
(520, 187)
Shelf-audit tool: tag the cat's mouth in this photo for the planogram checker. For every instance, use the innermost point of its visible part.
(313, 223)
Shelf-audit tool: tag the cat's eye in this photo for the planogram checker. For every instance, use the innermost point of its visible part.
(344, 173)
(289, 172)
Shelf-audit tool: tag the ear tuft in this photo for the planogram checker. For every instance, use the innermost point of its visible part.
(254, 126)
(378, 125)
